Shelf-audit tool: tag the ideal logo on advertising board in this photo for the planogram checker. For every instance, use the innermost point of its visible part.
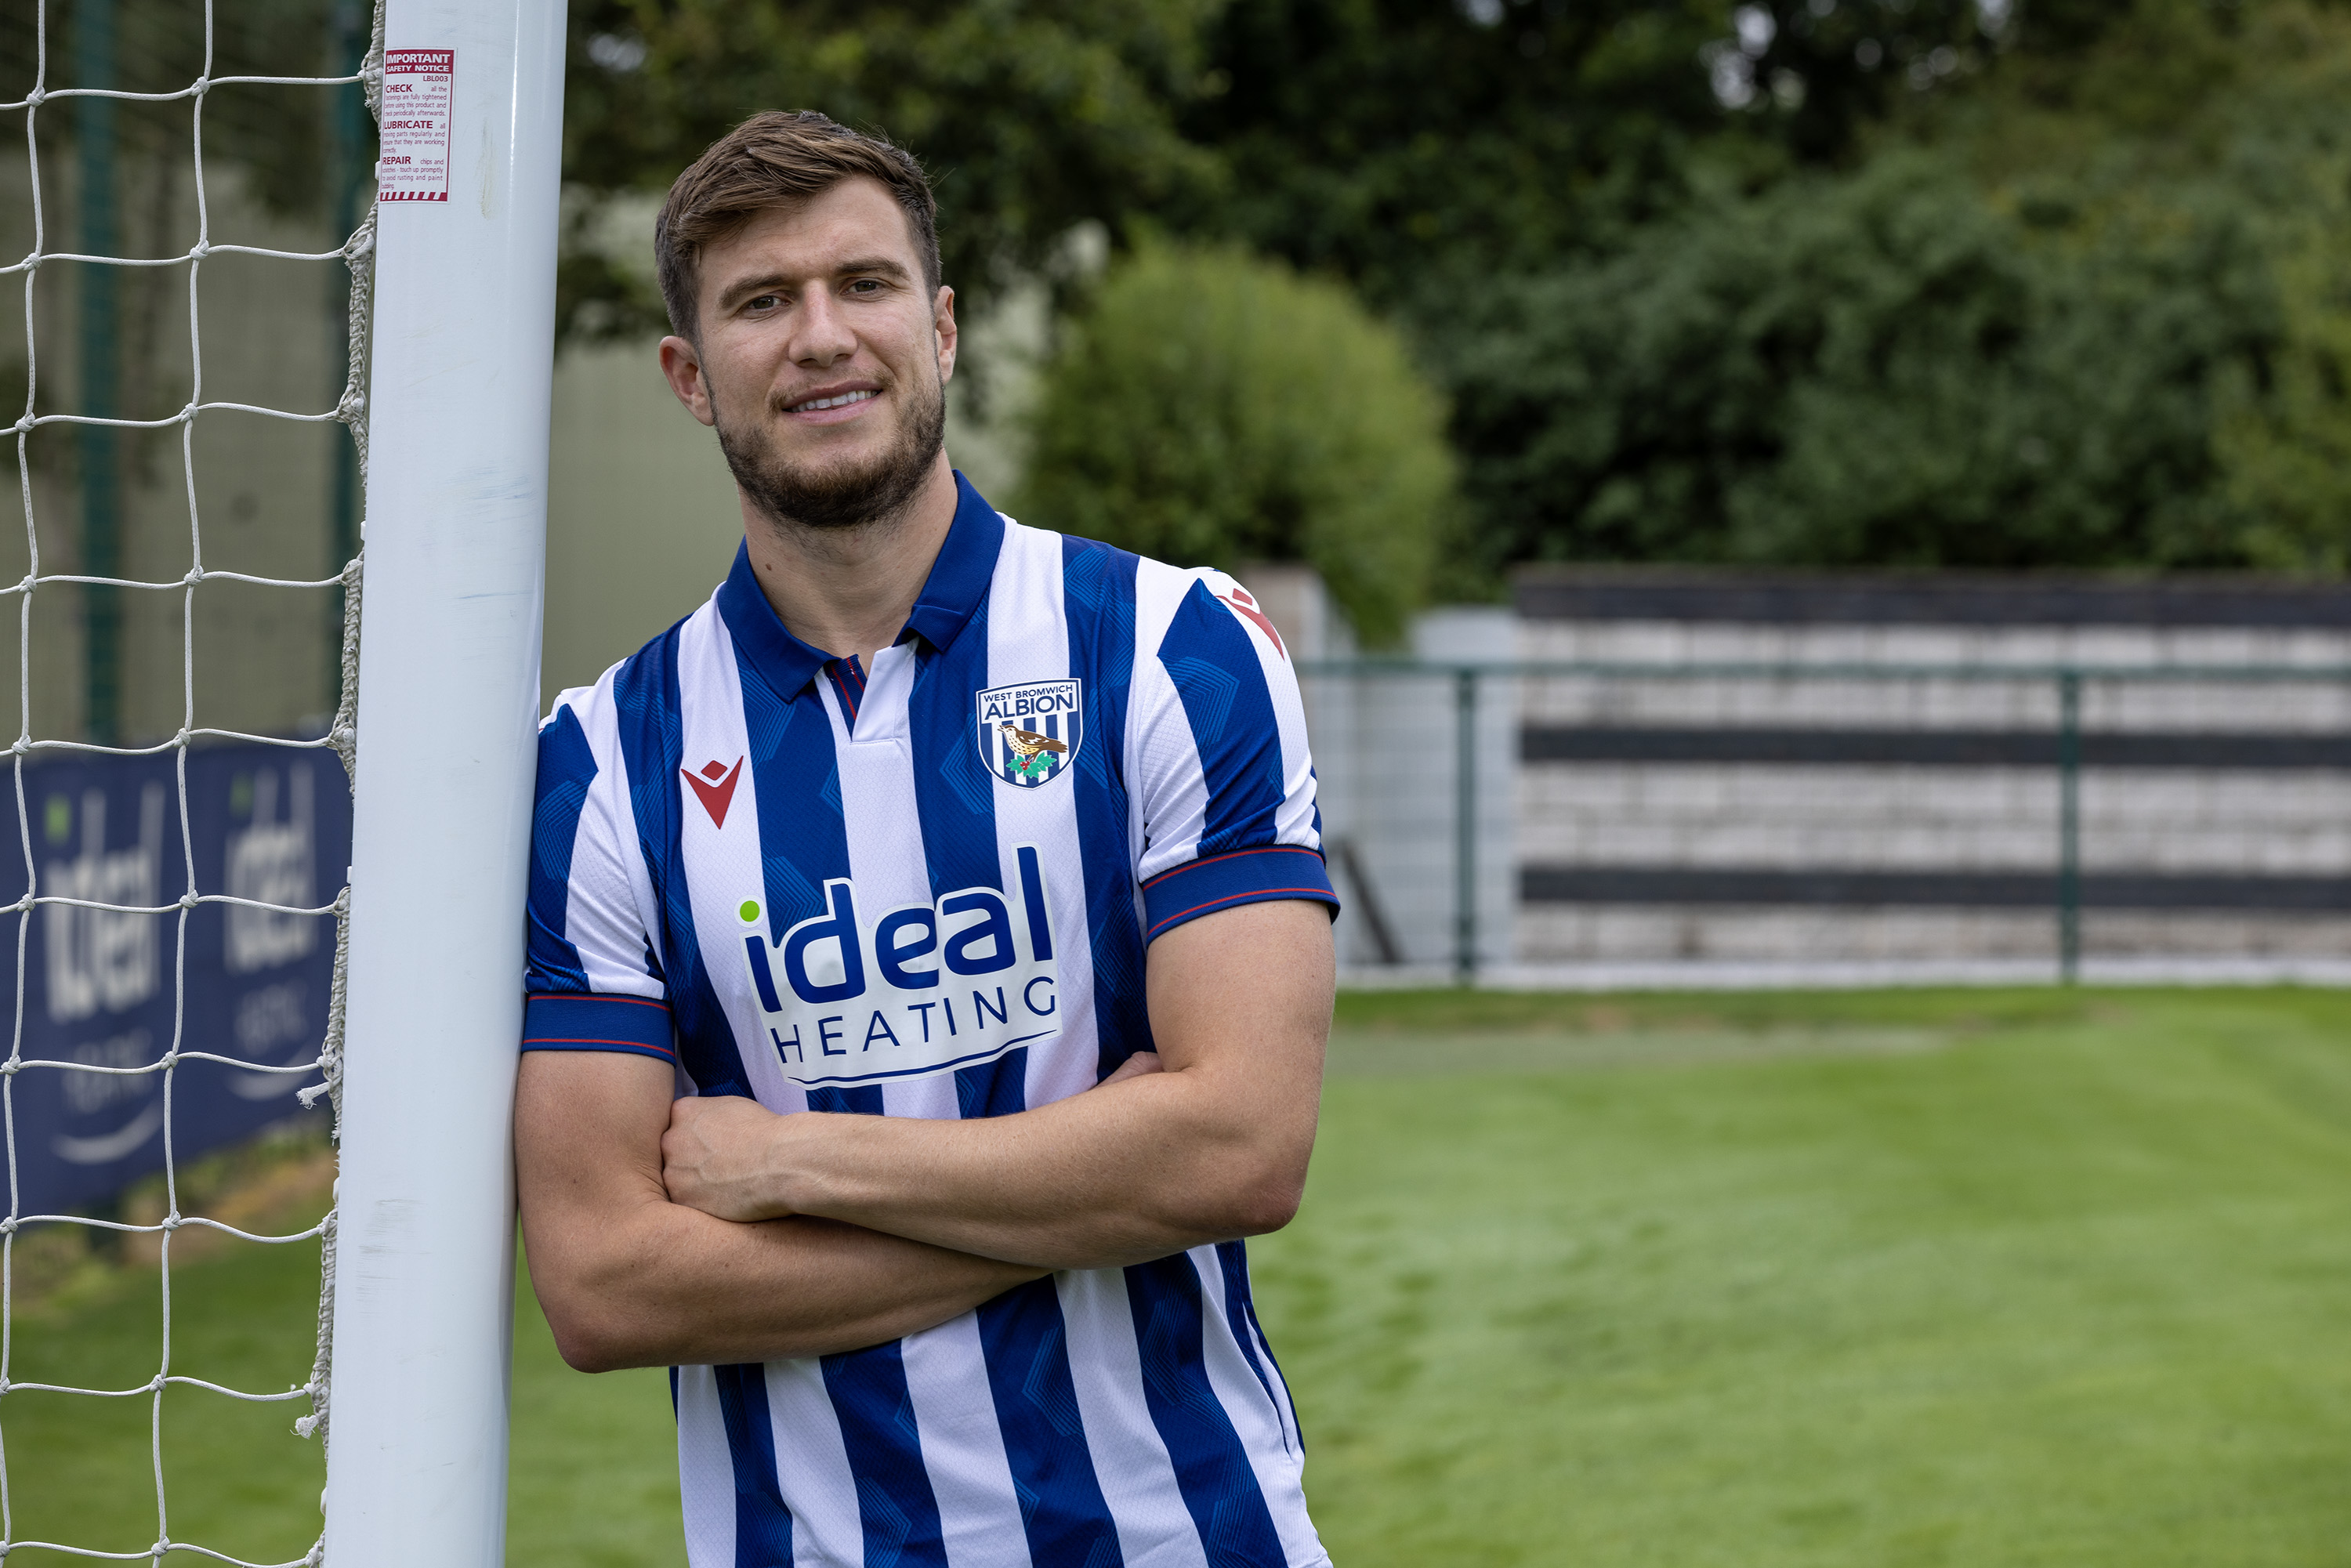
(266, 823)
(271, 859)
(100, 960)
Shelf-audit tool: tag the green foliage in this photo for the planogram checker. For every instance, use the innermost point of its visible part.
(1031, 117)
(1879, 369)
(2067, 335)
(1208, 408)
(1382, 139)
(1400, 141)
(2288, 454)
(1819, 281)
(2286, 438)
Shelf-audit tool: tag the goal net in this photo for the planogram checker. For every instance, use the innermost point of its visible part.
(217, 922)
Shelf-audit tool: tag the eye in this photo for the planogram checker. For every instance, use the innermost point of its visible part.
(763, 302)
(866, 286)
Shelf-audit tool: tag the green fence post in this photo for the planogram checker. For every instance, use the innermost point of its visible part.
(2069, 826)
(1465, 825)
(102, 493)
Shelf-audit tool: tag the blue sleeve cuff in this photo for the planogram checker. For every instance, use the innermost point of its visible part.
(1228, 880)
(572, 1020)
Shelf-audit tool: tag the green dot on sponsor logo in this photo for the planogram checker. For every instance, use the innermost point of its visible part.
(750, 909)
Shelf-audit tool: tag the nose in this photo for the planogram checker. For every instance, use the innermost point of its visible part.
(821, 334)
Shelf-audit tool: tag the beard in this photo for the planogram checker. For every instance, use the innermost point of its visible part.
(838, 494)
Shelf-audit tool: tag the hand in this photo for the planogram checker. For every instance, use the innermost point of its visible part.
(730, 1158)
(715, 1157)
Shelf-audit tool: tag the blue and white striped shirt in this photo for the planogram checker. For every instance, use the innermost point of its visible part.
(925, 890)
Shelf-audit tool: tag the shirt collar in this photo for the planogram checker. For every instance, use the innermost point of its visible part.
(960, 576)
(951, 594)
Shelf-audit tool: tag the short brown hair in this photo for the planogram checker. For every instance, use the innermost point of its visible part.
(777, 159)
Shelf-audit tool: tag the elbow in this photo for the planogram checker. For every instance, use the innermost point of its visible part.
(1268, 1207)
(589, 1342)
(1263, 1200)
(588, 1334)
(585, 1349)
(1247, 1173)
(1242, 1203)
(586, 1341)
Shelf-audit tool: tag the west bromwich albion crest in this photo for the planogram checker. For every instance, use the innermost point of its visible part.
(1029, 733)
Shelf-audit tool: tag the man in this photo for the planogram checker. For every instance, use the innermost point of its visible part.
(930, 961)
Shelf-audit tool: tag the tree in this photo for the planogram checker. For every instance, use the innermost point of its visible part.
(1031, 117)
(2075, 331)
(1883, 370)
(2284, 430)
(1381, 139)
(1208, 408)
(1410, 144)
(1983, 281)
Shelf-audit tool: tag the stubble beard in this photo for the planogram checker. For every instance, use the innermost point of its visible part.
(838, 496)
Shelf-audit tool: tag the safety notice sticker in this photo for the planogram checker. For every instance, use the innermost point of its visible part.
(417, 89)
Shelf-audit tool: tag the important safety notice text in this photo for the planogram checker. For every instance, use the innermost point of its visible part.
(418, 87)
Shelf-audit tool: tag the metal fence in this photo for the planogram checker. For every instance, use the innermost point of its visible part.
(2224, 817)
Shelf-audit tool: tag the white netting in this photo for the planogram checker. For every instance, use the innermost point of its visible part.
(55, 90)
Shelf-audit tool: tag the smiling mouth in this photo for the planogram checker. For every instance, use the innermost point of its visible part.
(843, 400)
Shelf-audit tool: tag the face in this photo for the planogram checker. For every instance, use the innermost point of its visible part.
(823, 361)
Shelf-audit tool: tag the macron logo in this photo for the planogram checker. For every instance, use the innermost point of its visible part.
(1239, 602)
(715, 785)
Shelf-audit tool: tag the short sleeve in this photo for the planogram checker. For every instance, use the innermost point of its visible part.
(1219, 756)
(594, 982)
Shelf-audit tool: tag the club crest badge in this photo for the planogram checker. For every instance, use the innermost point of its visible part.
(1029, 735)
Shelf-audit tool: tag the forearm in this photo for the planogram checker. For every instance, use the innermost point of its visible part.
(1141, 1166)
(1214, 1146)
(1100, 1180)
(630, 1279)
(662, 1284)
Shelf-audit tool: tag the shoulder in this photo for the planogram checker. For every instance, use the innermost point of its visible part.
(576, 738)
(1096, 576)
(647, 678)
(1151, 596)
(616, 725)
(1194, 610)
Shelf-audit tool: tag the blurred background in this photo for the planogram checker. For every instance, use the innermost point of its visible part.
(1813, 539)
(1762, 416)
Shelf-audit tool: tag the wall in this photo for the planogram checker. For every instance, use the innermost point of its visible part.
(1747, 820)
(641, 521)
(1388, 763)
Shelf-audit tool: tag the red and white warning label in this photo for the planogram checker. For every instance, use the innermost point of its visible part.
(418, 87)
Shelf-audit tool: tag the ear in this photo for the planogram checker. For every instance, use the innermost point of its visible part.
(681, 364)
(943, 325)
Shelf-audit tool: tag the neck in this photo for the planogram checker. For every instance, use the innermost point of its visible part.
(848, 590)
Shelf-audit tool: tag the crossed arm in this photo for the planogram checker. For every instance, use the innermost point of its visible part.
(710, 1231)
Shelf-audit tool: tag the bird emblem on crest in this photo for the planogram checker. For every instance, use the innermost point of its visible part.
(1029, 733)
(1035, 751)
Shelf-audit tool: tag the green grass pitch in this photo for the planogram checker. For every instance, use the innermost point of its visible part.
(1997, 1277)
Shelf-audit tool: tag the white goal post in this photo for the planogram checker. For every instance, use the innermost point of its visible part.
(146, 1028)
(448, 693)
